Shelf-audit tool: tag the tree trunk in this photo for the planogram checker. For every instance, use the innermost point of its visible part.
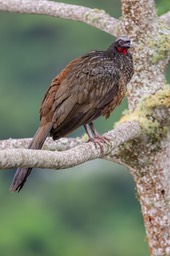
(149, 157)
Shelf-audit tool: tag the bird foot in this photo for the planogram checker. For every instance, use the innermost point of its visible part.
(99, 140)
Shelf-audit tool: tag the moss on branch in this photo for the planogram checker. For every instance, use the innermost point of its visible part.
(150, 112)
(161, 46)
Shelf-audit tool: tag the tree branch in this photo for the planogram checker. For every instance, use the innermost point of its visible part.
(10, 158)
(51, 145)
(142, 25)
(166, 18)
(94, 17)
(138, 16)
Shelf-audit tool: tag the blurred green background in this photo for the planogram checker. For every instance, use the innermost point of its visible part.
(91, 209)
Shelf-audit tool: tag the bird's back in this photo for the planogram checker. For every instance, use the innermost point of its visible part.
(88, 88)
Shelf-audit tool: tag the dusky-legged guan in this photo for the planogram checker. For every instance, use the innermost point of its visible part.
(88, 87)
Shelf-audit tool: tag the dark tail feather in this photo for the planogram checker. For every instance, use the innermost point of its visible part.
(37, 142)
(20, 178)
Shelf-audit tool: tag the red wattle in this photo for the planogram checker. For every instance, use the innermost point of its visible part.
(123, 50)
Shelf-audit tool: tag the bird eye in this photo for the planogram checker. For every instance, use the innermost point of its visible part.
(121, 42)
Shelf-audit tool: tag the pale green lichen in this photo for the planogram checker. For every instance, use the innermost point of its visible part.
(95, 15)
(161, 47)
(99, 11)
(144, 113)
(84, 137)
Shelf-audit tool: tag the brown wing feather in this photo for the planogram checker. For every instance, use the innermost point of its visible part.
(82, 95)
(47, 105)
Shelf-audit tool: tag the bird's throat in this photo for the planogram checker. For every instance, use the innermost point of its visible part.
(123, 50)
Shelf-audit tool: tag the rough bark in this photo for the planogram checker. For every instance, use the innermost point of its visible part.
(10, 158)
(94, 17)
(149, 159)
(142, 142)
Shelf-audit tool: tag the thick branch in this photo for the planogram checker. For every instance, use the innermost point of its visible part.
(51, 145)
(11, 158)
(143, 27)
(166, 18)
(94, 17)
(138, 16)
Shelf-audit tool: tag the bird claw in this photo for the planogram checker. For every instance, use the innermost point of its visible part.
(100, 140)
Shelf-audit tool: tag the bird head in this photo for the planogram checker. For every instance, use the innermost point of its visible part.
(122, 44)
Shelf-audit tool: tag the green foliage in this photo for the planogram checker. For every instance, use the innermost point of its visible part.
(73, 212)
(163, 6)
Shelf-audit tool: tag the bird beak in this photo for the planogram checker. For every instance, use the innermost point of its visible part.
(127, 44)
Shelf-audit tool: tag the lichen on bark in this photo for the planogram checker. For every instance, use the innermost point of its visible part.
(152, 113)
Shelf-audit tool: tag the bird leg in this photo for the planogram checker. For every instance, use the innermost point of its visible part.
(97, 139)
(89, 132)
(97, 136)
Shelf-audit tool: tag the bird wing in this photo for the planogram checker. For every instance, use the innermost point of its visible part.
(78, 98)
(46, 112)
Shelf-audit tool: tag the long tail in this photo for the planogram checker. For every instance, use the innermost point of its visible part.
(37, 142)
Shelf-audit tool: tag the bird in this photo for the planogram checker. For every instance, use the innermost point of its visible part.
(90, 86)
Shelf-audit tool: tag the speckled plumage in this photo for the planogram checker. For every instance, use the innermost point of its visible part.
(89, 86)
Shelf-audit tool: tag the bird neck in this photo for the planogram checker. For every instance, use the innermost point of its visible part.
(113, 50)
(123, 50)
